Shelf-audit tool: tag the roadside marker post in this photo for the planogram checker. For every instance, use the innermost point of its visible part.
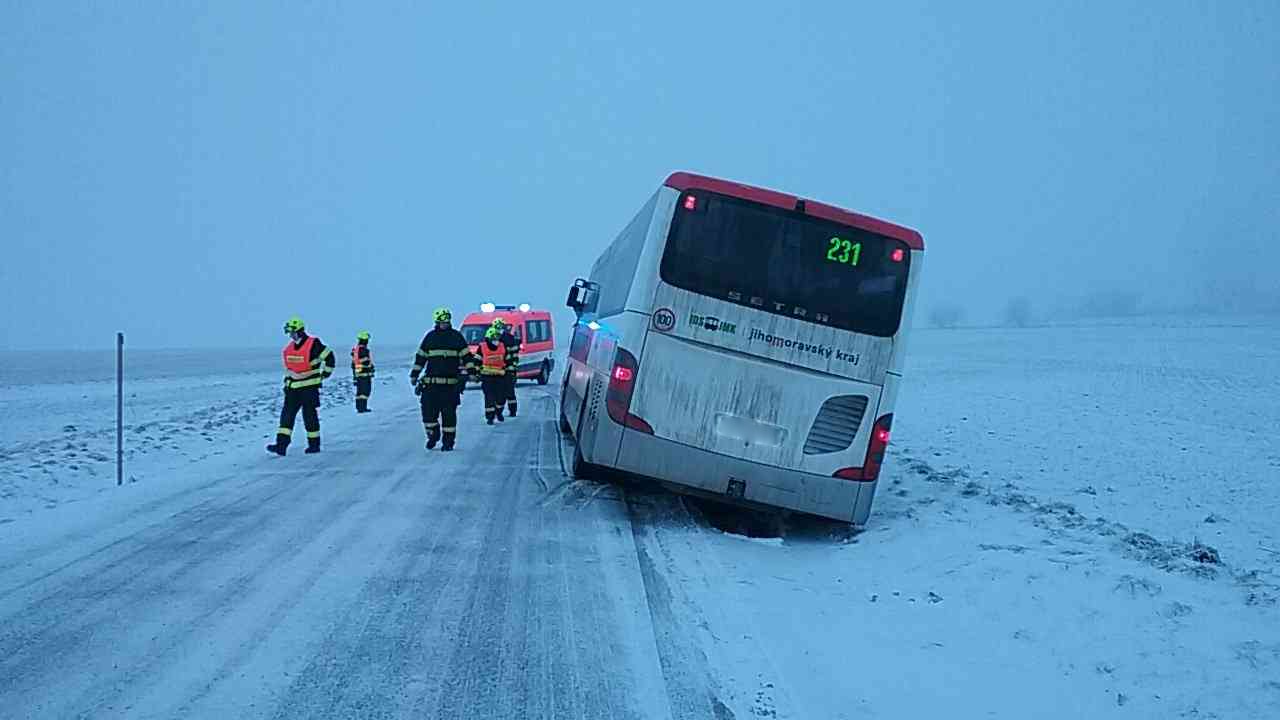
(119, 409)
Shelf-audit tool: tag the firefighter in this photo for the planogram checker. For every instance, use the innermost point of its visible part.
(512, 344)
(307, 362)
(362, 370)
(493, 374)
(435, 375)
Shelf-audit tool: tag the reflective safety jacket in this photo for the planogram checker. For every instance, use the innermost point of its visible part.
(361, 361)
(512, 344)
(442, 356)
(306, 364)
(493, 359)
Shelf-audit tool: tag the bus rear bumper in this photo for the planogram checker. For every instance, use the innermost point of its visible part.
(735, 480)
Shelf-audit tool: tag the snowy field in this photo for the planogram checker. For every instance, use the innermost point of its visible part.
(1075, 521)
(57, 415)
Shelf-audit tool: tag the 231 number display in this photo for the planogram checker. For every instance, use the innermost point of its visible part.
(843, 251)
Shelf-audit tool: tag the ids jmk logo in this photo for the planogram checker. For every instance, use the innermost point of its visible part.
(712, 323)
(664, 320)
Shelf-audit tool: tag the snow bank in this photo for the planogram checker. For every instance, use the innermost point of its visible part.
(57, 416)
(1074, 521)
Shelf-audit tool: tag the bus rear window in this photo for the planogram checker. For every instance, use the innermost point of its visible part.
(787, 263)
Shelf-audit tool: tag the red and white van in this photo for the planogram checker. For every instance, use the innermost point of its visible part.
(531, 327)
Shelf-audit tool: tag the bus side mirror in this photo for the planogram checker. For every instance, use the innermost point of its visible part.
(576, 297)
(582, 296)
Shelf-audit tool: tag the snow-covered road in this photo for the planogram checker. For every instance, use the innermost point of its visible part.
(1051, 538)
(371, 580)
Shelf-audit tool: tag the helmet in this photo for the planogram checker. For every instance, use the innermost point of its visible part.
(498, 323)
(293, 325)
(492, 333)
(442, 315)
(362, 335)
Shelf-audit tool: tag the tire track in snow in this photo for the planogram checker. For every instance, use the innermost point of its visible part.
(1062, 518)
(271, 621)
(226, 530)
(370, 665)
(691, 686)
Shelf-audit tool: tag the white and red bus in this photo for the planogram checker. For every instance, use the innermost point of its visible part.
(532, 327)
(744, 344)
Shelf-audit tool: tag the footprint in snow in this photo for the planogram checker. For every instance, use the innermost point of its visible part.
(1136, 586)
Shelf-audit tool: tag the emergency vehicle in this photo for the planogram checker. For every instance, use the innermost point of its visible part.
(531, 327)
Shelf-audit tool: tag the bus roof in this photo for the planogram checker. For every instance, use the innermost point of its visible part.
(688, 181)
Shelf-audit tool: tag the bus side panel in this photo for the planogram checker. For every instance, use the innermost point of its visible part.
(593, 431)
(645, 285)
(577, 376)
(572, 393)
(615, 269)
(897, 359)
(623, 331)
(867, 490)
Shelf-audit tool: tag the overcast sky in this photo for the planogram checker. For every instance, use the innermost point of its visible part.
(195, 175)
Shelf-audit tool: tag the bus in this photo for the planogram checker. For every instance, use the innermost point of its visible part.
(743, 344)
(533, 328)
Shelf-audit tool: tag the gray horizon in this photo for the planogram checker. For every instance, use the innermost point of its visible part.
(194, 175)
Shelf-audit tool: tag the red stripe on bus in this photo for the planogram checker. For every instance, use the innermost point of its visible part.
(688, 181)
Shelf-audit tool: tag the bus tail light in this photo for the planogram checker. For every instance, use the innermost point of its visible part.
(870, 469)
(622, 383)
(690, 202)
(898, 255)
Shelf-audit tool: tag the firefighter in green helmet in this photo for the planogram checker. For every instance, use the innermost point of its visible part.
(436, 372)
(362, 370)
(512, 345)
(307, 362)
(493, 374)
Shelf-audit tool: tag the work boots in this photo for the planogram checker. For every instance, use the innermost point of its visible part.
(277, 449)
(313, 446)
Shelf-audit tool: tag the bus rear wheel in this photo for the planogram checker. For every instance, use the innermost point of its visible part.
(544, 374)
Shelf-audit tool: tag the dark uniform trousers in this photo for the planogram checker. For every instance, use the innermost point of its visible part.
(364, 384)
(308, 401)
(495, 393)
(440, 412)
(511, 393)
(508, 394)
